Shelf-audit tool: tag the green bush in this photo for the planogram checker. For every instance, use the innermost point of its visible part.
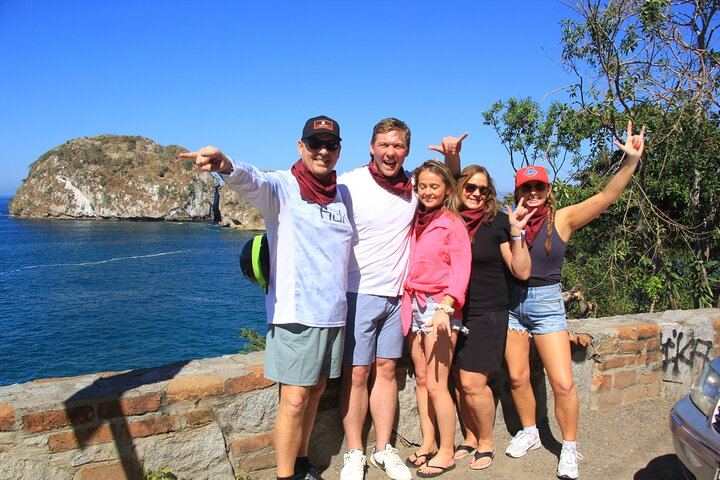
(162, 474)
(255, 341)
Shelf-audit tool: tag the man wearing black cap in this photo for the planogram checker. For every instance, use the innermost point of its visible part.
(309, 238)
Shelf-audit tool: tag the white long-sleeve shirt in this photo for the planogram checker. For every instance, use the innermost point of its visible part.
(309, 248)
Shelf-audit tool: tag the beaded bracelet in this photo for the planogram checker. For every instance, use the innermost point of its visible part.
(445, 308)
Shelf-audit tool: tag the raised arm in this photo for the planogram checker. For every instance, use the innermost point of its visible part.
(515, 253)
(210, 159)
(450, 148)
(573, 217)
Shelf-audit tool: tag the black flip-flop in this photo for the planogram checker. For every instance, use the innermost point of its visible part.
(418, 456)
(479, 455)
(436, 474)
(463, 448)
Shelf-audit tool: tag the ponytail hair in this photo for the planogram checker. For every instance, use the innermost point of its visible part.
(551, 204)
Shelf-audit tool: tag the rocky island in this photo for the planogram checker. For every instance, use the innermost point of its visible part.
(126, 178)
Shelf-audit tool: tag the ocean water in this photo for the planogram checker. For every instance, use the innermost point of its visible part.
(79, 297)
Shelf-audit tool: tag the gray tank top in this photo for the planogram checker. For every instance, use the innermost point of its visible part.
(546, 269)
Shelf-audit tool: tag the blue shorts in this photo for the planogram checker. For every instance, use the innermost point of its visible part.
(537, 310)
(373, 329)
(423, 316)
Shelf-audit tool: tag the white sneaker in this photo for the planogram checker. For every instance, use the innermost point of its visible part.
(353, 466)
(389, 461)
(568, 464)
(522, 443)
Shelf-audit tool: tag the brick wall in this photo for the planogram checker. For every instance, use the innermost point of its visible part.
(213, 418)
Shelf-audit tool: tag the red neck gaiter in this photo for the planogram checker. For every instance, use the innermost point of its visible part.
(424, 218)
(473, 217)
(313, 189)
(536, 221)
(399, 184)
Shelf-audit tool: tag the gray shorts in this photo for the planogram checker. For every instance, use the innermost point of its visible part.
(300, 355)
(374, 329)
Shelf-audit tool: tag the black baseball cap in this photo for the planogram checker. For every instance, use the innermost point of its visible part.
(321, 124)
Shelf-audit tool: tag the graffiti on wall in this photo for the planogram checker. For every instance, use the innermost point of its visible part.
(678, 350)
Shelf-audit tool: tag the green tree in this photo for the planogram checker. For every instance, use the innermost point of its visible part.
(654, 62)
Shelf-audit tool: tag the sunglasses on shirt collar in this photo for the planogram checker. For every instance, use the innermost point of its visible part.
(471, 187)
(317, 144)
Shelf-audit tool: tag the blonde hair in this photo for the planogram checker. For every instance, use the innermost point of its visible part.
(451, 202)
(492, 204)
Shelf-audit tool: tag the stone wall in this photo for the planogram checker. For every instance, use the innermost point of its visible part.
(213, 418)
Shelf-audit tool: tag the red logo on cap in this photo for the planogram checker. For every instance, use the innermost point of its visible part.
(323, 125)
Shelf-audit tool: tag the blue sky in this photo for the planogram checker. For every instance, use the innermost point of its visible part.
(244, 76)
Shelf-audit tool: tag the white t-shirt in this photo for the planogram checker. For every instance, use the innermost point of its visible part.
(309, 248)
(381, 234)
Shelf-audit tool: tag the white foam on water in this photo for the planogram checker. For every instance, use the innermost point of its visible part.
(90, 264)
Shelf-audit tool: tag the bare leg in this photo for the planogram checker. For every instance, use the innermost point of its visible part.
(554, 350)
(354, 403)
(425, 411)
(517, 356)
(309, 417)
(383, 400)
(471, 433)
(439, 350)
(481, 408)
(289, 424)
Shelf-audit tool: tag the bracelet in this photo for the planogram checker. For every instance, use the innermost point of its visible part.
(445, 308)
(519, 237)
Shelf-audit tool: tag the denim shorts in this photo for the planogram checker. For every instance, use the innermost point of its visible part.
(422, 316)
(537, 310)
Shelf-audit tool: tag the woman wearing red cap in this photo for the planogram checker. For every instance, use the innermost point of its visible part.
(537, 308)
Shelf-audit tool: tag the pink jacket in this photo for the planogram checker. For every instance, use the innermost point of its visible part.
(439, 265)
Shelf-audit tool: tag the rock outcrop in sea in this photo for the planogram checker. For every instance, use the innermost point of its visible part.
(237, 213)
(116, 177)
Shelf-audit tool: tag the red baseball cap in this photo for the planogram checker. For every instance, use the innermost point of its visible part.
(528, 174)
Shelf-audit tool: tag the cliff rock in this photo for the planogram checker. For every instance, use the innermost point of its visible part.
(115, 177)
(237, 213)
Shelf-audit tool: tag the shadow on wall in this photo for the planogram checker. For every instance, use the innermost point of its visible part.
(110, 412)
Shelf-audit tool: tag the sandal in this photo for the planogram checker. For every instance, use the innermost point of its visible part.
(481, 455)
(436, 474)
(463, 451)
(419, 457)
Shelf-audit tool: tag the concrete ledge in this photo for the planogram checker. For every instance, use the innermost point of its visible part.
(213, 418)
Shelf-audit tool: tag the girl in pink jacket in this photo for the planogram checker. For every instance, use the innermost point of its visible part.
(433, 297)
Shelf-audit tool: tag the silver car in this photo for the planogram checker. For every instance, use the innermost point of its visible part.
(695, 425)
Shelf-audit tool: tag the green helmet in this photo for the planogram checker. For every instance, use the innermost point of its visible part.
(255, 260)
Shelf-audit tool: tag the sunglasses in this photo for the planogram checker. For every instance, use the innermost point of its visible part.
(471, 187)
(530, 186)
(317, 144)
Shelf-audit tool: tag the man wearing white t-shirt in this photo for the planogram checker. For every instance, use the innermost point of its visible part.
(381, 207)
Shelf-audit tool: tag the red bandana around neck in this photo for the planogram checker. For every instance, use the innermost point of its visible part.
(474, 217)
(536, 221)
(423, 218)
(312, 189)
(399, 184)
